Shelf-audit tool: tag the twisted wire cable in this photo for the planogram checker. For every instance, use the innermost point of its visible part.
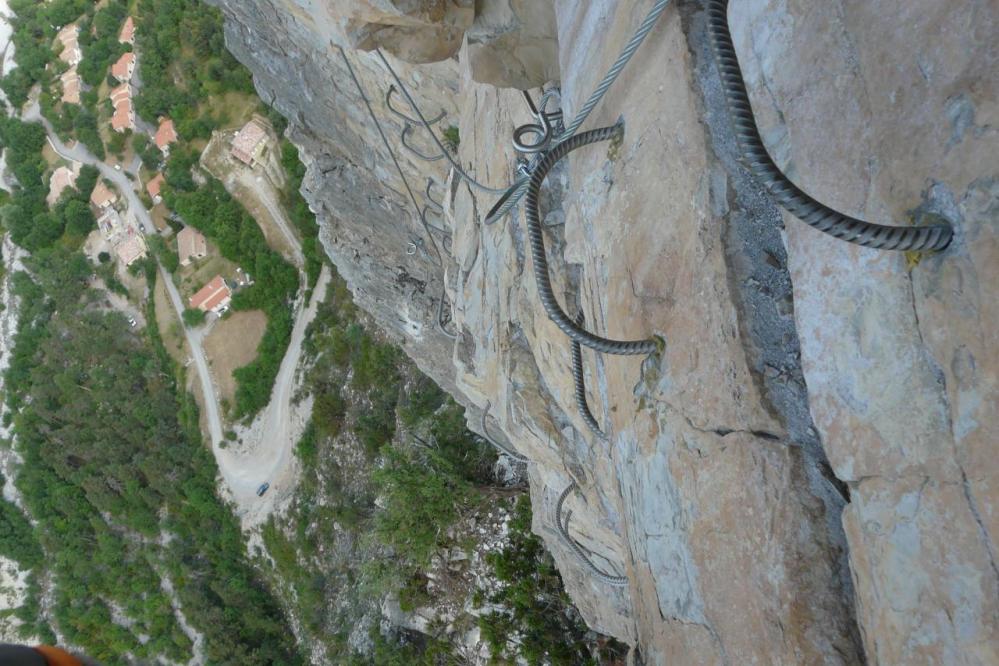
(577, 550)
(644, 28)
(496, 445)
(540, 260)
(786, 193)
(426, 124)
(518, 189)
(381, 132)
(580, 387)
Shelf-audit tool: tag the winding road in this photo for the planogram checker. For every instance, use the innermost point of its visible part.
(266, 454)
(79, 153)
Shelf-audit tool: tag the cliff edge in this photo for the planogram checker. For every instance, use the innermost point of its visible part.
(806, 473)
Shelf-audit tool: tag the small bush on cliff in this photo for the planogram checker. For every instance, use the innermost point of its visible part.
(537, 609)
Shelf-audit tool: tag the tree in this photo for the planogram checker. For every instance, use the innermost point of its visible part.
(147, 151)
(193, 317)
(79, 219)
(118, 142)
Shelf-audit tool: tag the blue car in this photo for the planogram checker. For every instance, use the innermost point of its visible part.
(262, 489)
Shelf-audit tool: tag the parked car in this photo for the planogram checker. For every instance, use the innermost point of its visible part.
(262, 489)
(131, 322)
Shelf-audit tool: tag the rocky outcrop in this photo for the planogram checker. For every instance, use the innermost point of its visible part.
(804, 474)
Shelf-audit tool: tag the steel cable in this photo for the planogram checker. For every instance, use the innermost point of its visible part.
(577, 550)
(537, 237)
(579, 382)
(516, 191)
(787, 194)
(644, 28)
(405, 181)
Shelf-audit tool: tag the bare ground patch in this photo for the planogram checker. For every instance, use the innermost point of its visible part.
(231, 344)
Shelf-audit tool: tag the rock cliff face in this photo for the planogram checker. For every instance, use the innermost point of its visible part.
(757, 520)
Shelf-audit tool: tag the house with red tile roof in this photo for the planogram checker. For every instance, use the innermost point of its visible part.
(191, 245)
(102, 196)
(249, 143)
(127, 34)
(165, 135)
(62, 178)
(213, 297)
(123, 68)
(154, 186)
(124, 115)
(68, 37)
(70, 86)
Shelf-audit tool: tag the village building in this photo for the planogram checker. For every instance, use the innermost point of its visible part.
(62, 178)
(131, 249)
(70, 86)
(191, 245)
(68, 37)
(250, 142)
(111, 225)
(102, 196)
(127, 34)
(122, 69)
(213, 297)
(154, 186)
(124, 115)
(165, 135)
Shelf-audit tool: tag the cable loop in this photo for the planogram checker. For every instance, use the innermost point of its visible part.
(788, 195)
(577, 550)
(499, 447)
(544, 129)
(518, 189)
(540, 259)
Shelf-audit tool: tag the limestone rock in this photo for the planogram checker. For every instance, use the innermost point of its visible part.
(901, 364)
(416, 32)
(806, 473)
(512, 43)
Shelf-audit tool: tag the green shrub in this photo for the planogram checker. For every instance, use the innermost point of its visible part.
(451, 138)
(193, 317)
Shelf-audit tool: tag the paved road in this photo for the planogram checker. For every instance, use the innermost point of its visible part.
(268, 454)
(126, 187)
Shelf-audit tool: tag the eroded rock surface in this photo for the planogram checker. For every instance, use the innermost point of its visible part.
(900, 362)
(757, 520)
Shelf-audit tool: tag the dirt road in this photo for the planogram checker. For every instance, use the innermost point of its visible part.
(268, 444)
